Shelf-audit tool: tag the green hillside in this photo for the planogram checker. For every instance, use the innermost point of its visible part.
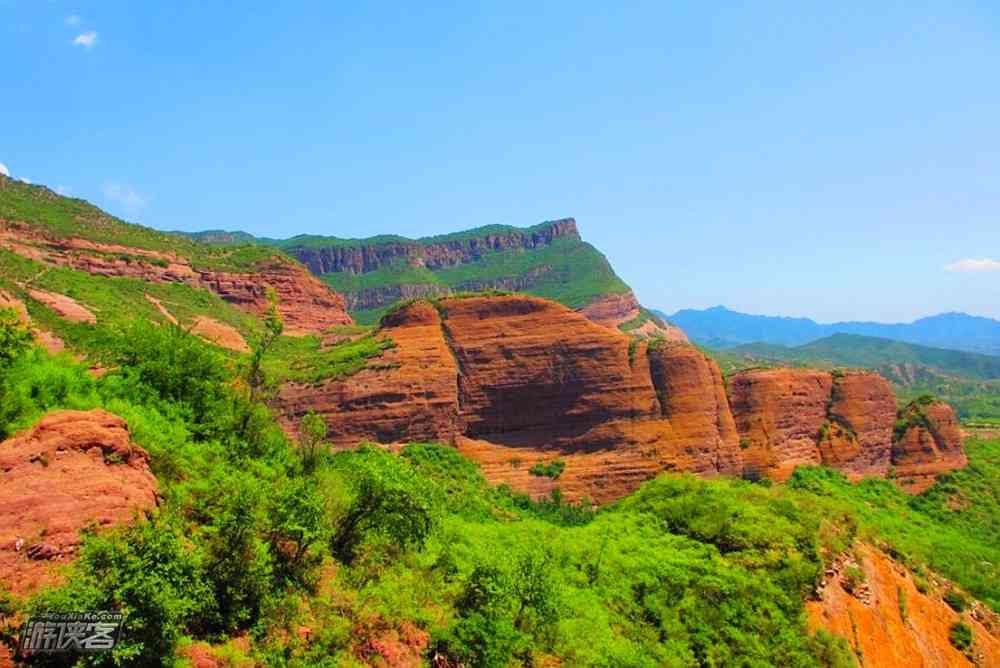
(255, 538)
(567, 269)
(970, 382)
(60, 216)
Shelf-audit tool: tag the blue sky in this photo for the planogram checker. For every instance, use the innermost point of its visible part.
(830, 162)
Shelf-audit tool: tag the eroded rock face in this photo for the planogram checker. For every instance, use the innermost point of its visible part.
(448, 253)
(615, 310)
(531, 365)
(517, 380)
(791, 417)
(877, 630)
(306, 304)
(778, 414)
(71, 470)
(410, 393)
(931, 444)
(864, 402)
(693, 400)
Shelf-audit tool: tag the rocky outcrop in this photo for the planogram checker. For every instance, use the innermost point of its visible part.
(616, 311)
(387, 295)
(410, 393)
(779, 414)
(693, 399)
(513, 381)
(447, 251)
(71, 470)
(306, 304)
(928, 441)
(894, 624)
(791, 417)
(65, 307)
(516, 380)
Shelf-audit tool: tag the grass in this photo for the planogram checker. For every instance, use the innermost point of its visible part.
(113, 300)
(68, 217)
(953, 528)
(305, 360)
(552, 469)
(567, 270)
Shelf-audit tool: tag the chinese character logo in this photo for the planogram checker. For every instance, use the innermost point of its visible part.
(70, 632)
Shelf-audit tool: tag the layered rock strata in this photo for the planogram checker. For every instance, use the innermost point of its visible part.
(928, 441)
(72, 470)
(306, 304)
(514, 381)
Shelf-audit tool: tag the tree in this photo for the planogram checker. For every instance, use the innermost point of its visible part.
(295, 524)
(15, 338)
(249, 409)
(176, 365)
(312, 431)
(390, 501)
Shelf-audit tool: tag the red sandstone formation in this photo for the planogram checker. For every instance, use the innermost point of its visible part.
(615, 310)
(788, 417)
(864, 402)
(693, 398)
(931, 444)
(517, 380)
(306, 304)
(778, 414)
(72, 469)
(878, 633)
(65, 307)
(410, 393)
(47, 340)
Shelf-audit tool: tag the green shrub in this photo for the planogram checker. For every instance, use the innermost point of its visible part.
(955, 600)
(389, 503)
(552, 469)
(854, 577)
(15, 338)
(150, 572)
(960, 636)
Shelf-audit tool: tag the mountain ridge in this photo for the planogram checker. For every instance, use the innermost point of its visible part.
(720, 327)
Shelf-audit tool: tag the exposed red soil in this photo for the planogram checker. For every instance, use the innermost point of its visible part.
(65, 307)
(73, 469)
(219, 333)
(872, 621)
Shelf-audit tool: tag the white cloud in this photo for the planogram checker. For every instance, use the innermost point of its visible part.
(4, 170)
(64, 190)
(125, 196)
(28, 181)
(87, 40)
(72, 20)
(970, 264)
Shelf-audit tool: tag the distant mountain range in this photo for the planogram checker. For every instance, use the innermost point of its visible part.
(898, 358)
(721, 328)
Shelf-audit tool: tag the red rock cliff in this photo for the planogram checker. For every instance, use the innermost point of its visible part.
(928, 442)
(788, 417)
(516, 380)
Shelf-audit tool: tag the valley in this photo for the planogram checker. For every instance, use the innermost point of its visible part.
(476, 449)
